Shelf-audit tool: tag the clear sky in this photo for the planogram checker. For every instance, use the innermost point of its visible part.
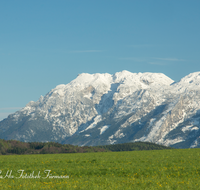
(47, 43)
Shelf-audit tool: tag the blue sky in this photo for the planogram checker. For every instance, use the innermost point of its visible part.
(47, 43)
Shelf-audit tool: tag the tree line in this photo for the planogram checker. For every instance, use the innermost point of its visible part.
(17, 147)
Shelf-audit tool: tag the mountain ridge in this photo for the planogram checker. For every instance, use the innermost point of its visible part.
(99, 109)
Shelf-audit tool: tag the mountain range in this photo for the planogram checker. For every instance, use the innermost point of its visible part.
(100, 109)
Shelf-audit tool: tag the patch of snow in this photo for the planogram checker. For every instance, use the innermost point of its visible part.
(33, 133)
(151, 122)
(59, 90)
(110, 139)
(118, 134)
(189, 128)
(140, 139)
(103, 129)
(88, 95)
(154, 131)
(195, 143)
(169, 142)
(92, 125)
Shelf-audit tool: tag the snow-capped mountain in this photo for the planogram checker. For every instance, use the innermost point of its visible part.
(97, 109)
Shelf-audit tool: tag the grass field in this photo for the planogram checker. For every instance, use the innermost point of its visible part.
(155, 169)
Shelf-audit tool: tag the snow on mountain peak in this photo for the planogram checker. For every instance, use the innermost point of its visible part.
(191, 78)
(84, 80)
(105, 80)
(135, 81)
(157, 78)
(92, 86)
(189, 82)
(59, 90)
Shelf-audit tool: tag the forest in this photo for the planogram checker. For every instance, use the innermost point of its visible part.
(8, 147)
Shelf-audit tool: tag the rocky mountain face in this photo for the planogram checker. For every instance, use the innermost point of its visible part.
(99, 109)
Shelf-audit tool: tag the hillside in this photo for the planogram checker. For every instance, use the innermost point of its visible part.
(17, 147)
(134, 146)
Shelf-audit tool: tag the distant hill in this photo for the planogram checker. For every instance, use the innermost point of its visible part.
(16, 147)
(134, 146)
(8, 147)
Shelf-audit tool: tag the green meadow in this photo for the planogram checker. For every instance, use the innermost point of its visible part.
(153, 169)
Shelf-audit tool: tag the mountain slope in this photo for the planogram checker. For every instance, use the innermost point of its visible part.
(99, 109)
